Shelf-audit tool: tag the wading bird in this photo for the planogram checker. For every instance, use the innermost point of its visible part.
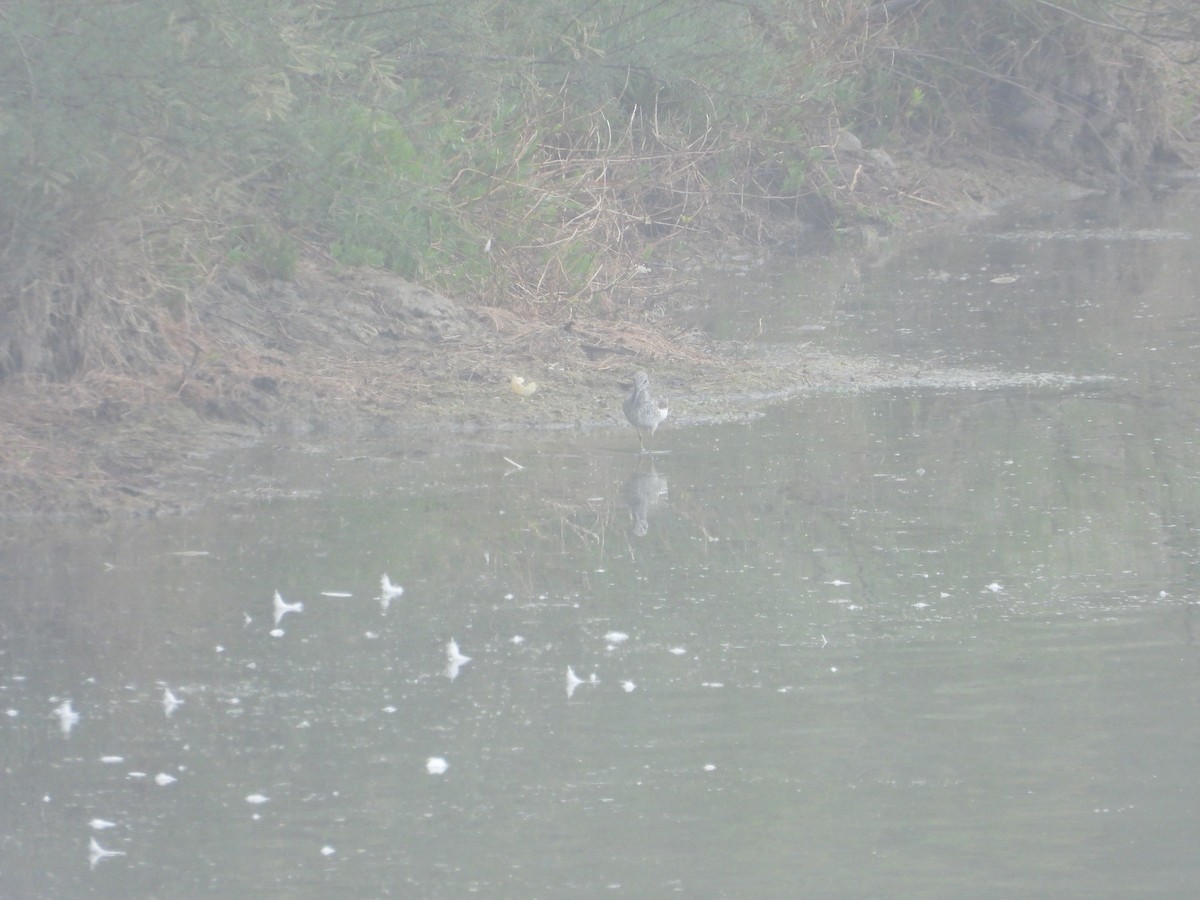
(641, 409)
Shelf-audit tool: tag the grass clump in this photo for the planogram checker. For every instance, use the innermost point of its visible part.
(521, 154)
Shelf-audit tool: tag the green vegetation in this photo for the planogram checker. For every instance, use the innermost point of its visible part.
(514, 153)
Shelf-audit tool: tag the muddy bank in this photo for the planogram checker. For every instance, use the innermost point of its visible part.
(134, 348)
(339, 356)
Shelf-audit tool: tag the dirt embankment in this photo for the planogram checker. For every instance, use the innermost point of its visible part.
(369, 353)
(330, 354)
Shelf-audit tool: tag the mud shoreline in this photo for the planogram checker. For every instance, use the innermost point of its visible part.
(339, 356)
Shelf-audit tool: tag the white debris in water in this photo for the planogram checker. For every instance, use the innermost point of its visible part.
(327, 851)
(709, 767)
(628, 687)
(454, 659)
(101, 824)
(573, 681)
(616, 637)
(1094, 234)
(435, 765)
(257, 799)
(508, 596)
(277, 632)
(282, 607)
(67, 717)
(454, 655)
(517, 639)
(162, 779)
(389, 709)
(712, 684)
(136, 775)
(837, 582)
(97, 853)
(12, 713)
(388, 591)
(996, 588)
(678, 651)
(170, 702)
(371, 635)
(336, 594)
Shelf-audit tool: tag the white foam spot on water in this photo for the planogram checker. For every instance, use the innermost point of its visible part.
(573, 681)
(170, 702)
(67, 717)
(282, 607)
(435, 765)
(388, 591)
(455, 660)
(97, 853)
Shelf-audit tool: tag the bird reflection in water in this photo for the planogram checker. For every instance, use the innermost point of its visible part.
(644, 491)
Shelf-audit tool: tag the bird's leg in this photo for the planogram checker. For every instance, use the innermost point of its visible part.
(641, 441)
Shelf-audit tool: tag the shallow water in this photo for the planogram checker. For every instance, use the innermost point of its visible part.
(902, 643)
